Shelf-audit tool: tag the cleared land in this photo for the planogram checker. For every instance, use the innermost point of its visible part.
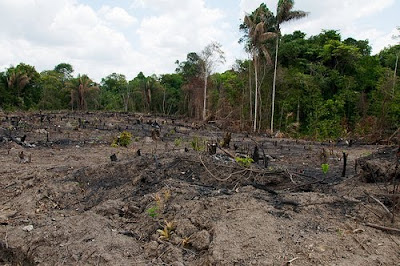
(63, 201)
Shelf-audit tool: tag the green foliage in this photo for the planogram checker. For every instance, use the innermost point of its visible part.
(178, 142)
(326, 87)
(172, 84)
(53, 97)
(153, 211)
(65, 70)
(198, 144)
(325, 168)
(123, 140)
(245, 162)
(19, 87)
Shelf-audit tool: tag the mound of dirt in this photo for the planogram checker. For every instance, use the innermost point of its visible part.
(382, 166)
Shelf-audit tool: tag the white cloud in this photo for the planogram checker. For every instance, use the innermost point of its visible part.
(181, 27)
(380, 39)
(50, 32)
(117, 16)
(109, 39)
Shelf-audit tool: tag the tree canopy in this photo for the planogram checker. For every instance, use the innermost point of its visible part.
(327, 87)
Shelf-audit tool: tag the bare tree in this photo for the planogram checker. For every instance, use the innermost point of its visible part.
(209, 57)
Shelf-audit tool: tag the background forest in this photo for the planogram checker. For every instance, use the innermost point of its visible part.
(326, 86)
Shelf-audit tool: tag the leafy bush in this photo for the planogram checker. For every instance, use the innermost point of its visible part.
(124, 139)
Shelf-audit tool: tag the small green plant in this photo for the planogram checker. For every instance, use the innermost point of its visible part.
(178, 142)
(123, 140)
(160, 199)
(325, 168)
(197, 144)
(245, 162)
(152, 212)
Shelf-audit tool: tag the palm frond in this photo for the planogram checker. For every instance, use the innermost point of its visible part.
(266, 55)
(283, 10)
(23, 80)
(293, 15)
(267, 36)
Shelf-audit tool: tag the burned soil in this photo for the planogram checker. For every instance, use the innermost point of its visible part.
(69, 197)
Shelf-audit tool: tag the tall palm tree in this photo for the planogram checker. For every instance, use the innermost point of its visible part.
(79, 89)
(17, 80)
(284, 13)
(257, 24)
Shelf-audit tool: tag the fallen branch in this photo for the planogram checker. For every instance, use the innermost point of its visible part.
(290, 176)
(237, 209)
(380, 203)
(361, 245)
(208, 171)
(383, 228)
(290, 261)
(227, 152)
(377, 215)
(303, 175)
(394, 134)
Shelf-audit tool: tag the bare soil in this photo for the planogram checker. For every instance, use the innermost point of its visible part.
(63, 201)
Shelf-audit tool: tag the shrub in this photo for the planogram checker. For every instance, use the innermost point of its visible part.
(197, 144)
(124, 139)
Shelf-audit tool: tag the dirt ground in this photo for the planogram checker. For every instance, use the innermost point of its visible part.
(162, 202)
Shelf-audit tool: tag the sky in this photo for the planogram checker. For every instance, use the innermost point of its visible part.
(99, 37)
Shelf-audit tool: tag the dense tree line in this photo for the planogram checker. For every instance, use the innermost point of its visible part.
(326, 86)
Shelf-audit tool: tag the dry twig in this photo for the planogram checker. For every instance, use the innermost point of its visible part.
(208, 171)
(383, 228)
(237, 209)
(361, 245)
(380, 203)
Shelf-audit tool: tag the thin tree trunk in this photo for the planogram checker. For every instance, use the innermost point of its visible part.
(255, 94)
(274, 85)
(280, 119)
(205, 94)
(260, 103)
(72, 101)
(126, 101)
(163, 104)
(250, 97)
(298, 111)
(395, 72)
